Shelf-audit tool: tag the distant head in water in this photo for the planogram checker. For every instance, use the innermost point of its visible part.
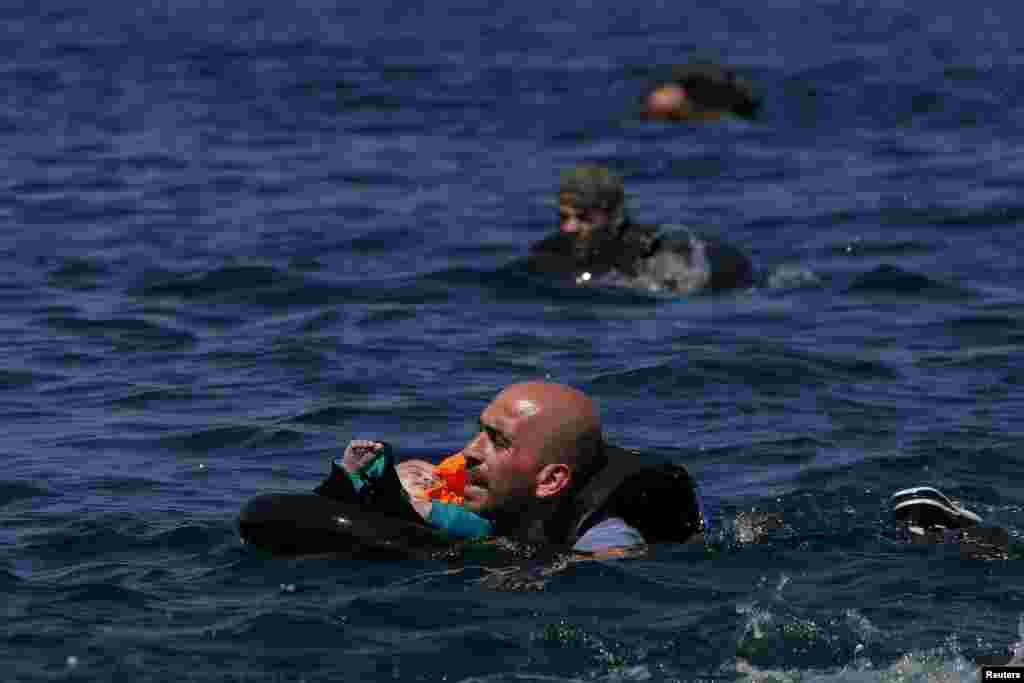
(700, 92)
(591, 206)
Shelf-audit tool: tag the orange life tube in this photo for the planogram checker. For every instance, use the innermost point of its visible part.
(452, 489)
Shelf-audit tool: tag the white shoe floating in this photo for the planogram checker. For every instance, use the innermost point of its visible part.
(924, 507)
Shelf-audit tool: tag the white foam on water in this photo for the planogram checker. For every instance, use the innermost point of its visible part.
(768, 628)
(911, 668)
(792, 277)
(941, 665)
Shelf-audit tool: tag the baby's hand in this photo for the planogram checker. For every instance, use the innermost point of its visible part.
(358, 453)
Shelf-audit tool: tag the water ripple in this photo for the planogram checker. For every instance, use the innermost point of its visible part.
(889, 280)
(128, 334)
(236, 232)
(11, 491)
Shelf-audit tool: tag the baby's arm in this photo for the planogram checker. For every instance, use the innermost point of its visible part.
(370, 466)
(358, 453)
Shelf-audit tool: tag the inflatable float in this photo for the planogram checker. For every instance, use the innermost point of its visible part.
(398, 504)
(316, 524)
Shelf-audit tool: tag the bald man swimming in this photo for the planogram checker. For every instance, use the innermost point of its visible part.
(539, 471)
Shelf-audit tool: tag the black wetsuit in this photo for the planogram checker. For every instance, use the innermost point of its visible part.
(659, 501)
(645, 259)
(714, 87)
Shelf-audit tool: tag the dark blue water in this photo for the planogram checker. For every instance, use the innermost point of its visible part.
(236, 235)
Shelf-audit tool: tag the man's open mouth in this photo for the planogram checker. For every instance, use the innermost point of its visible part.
(476, 487)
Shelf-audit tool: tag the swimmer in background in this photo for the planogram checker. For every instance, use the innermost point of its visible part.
(598, 242)
(701, 92)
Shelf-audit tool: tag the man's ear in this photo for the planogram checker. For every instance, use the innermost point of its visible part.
(552, 479)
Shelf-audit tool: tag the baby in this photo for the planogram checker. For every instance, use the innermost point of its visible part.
(434, 492)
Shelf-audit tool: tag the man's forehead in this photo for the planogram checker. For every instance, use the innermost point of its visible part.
(571, 210)
(511, 407)
(569, 202)
(526, 407)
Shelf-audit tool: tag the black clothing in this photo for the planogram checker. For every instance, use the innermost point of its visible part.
(710, 86)
(638, 253)
(659, 501)
(383, 493)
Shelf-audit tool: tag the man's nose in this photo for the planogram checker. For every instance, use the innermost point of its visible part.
(473, 458)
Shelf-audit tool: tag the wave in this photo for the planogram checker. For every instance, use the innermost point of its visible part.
(889, 280)
(127, 334)
(761, 366)
(273, 287)
(211, 438)
(512, 282)
(11, 491)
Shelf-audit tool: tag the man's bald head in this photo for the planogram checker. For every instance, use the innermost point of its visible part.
(559, 418)
(533, 437)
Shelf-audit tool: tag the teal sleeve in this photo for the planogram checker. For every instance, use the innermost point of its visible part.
(370, 471)
(458, 521)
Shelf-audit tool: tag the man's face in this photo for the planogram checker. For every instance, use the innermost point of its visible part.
(503, 460)
(581, 223)
(668, 102)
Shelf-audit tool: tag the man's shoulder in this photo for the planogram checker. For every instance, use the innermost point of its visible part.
(681, 239)
(726, 264)
(556, 241)
(661, 500)
(609, 532)
(656, 239)
(554, 253)
(641, 235)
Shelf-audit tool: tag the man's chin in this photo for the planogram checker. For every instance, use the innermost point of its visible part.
(474, 499)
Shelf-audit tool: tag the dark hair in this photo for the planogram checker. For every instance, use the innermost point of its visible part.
(590, 186)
